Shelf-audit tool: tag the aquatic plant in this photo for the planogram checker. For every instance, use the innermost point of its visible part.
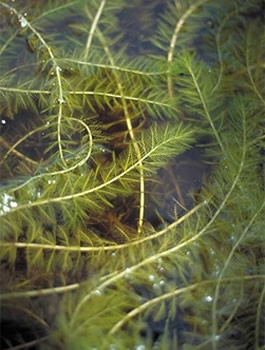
(101, 102)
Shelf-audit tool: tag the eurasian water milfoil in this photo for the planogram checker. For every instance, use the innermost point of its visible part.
(132, 175)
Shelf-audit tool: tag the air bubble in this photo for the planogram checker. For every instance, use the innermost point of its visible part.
(3, 121)
(8, 202)
(50, 182)
(13, 204)
(7, 198)
(127, 273)
(97, 292)
(140, 347)
(232, 238)
(23, 21)
(217, 271)
(212, 251)
(155, 286)
(210, 23)
(160, 268)
(217, 337)
(208, 299)
(151, 277)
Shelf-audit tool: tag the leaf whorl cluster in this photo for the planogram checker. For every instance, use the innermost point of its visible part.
(97, 250)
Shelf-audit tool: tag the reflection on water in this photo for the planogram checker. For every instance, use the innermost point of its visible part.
(48, 169)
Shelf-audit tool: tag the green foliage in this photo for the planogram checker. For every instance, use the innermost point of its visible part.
(89, 122)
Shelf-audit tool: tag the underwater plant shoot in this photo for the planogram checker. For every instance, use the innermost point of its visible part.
(132, 175)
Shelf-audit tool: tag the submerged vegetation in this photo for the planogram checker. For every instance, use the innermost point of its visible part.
(102, 101)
